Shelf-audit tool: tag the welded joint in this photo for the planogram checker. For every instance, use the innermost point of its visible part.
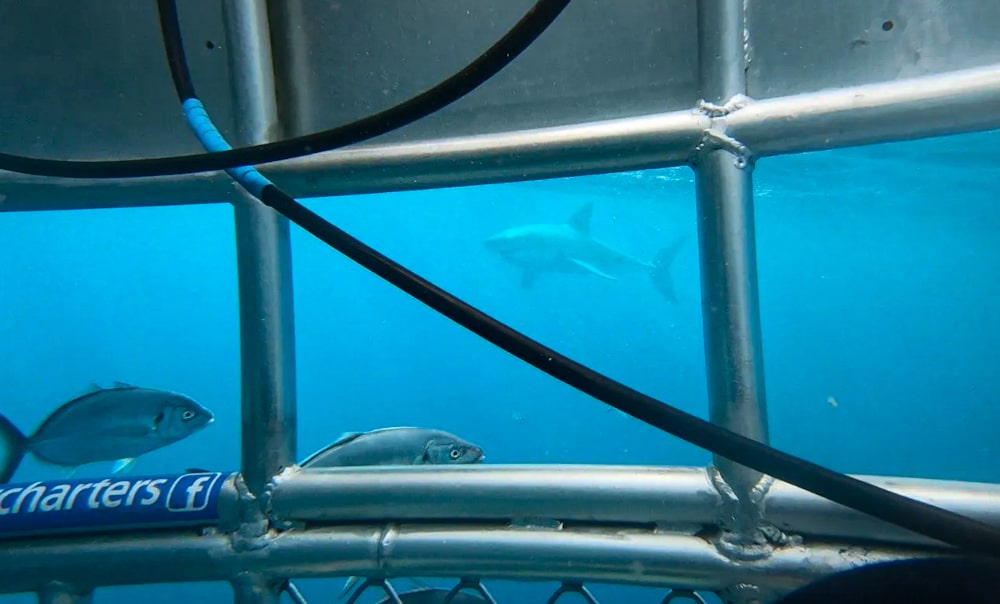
(745, 533)
(714, 136)
(252, 532)
(386, 543)
(275, 522)
(715, 110)
(747, 40)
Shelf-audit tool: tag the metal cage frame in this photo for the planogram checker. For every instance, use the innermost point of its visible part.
(682, 528)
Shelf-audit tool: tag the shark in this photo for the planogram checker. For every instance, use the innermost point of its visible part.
(568, 247)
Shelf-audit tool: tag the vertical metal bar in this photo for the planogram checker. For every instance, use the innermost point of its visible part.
(267, 336)
(727, 250)
(267, 341)
(59, 593)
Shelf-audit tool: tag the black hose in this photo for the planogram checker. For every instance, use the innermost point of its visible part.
(928, 520)
(498, 56)
(931, 521)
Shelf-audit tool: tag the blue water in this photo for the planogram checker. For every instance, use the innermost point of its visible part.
(877, 285)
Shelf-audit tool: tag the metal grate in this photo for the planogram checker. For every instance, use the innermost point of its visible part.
(481, 594)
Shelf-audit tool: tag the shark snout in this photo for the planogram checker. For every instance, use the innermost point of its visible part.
(496, 243)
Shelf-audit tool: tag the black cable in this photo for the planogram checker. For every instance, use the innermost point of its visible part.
(170, 30)
(498, 56)
(937, 523)
(922, 518)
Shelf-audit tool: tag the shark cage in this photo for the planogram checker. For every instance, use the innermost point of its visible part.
(568, 88)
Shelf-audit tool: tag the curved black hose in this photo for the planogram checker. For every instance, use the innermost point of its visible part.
(931, 521)
(498, 56)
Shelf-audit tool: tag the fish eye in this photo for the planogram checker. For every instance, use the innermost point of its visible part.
(188, 415)
(455, 454)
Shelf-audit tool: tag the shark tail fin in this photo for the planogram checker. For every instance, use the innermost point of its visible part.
(659, 270)
(13, 448)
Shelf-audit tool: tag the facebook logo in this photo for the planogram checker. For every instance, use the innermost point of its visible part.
(192, 492)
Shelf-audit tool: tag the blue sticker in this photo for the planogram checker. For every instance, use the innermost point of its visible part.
(114, 502)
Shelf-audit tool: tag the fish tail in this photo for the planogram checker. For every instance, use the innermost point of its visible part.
(13, 448)
(659, 270)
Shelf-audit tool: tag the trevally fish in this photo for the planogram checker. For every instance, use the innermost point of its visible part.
(568, 248)
(105, 424)
(398, 446)
(402, 446)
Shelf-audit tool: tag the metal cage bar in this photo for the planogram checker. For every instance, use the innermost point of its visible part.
(646, 526)
(264, 264)
(626, 524)
(733, 353)
(950, 103)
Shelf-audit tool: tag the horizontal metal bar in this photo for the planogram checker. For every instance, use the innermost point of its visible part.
(950, 103)
(614, 145)
(23, 193)
(672, 498)
(802, 512)
(677, 497)
(638, 558)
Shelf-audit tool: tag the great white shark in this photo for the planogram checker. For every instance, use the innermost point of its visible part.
(569, 248)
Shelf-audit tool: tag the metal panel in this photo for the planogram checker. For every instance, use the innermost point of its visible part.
(807, 45)
(599, 60)
(89, 80)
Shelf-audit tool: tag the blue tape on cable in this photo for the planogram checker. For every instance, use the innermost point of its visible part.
(210, 137)
(110, 503)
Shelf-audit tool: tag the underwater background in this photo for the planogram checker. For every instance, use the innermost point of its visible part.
(878, 279)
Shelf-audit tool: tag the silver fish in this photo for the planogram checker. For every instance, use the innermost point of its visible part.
(402, 446)
(105, 424)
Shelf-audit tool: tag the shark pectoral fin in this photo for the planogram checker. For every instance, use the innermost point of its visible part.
(528, 279)
(590, 268)
(69, 471)
(123, 465)
(580, 221)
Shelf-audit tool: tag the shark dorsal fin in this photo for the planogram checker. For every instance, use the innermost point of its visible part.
(580, 220)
